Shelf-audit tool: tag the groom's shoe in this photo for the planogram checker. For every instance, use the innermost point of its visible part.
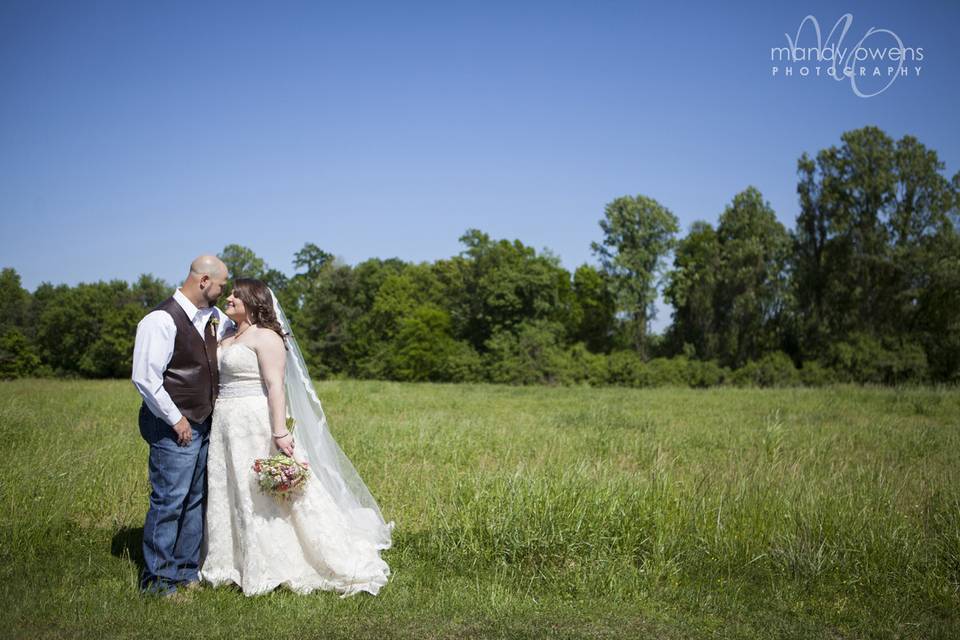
(159, 588)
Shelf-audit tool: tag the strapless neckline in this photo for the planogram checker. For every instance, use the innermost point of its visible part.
(234, 344)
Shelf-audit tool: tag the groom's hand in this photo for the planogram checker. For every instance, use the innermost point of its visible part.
(184, 432)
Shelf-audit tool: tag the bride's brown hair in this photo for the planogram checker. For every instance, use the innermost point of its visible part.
(258, 301)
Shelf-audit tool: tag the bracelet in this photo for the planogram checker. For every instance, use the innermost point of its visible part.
(280, 436)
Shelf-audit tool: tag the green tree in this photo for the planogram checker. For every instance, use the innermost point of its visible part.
(842, 258)
(18, 357)
(593, 320)
(242, 262)
(149, 291)
(310, 264)
(311, 259)
(400, 288)
(937, 310)
(506, 283)
(88, 329)
(691, 289)
(752, 279)
(639, 232)
(14, 299)
(424, 349)
(531, 353)
(110, 355)
(874, 230)
(325, 317)
(843, 263)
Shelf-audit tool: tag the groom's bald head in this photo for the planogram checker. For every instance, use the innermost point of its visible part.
(206, 280)
(208, 266)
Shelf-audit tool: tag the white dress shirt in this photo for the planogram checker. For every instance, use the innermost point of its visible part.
(153, 350)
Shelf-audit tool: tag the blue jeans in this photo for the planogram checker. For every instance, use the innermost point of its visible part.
(173, 530)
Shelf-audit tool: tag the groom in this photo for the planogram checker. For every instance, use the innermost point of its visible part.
(175, 370)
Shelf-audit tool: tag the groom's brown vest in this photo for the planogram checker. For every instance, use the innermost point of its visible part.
(192, 377)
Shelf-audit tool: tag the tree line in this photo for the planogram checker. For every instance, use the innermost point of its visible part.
(864, 288)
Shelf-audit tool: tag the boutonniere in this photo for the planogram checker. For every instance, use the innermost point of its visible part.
(214, 323)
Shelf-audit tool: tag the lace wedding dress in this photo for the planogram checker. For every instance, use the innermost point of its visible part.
(256, 541)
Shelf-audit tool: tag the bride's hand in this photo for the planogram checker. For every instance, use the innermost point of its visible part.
(284, 443)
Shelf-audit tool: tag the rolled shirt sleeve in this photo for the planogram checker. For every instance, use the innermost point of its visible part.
(152, 351)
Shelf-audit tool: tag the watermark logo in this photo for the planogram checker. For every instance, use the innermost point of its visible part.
(871, 65)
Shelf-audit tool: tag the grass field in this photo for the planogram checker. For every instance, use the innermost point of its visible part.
(531, 512)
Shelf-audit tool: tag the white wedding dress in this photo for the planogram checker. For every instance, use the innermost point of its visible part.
(252, 539)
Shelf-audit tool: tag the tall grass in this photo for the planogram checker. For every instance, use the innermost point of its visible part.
(529, 512)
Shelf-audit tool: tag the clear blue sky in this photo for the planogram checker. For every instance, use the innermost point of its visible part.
(136, 135)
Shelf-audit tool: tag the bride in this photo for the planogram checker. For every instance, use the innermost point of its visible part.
(330, 536)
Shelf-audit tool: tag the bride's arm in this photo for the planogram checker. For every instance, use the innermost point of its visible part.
(272, 357)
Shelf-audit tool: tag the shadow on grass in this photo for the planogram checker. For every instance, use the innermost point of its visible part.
(128, 543)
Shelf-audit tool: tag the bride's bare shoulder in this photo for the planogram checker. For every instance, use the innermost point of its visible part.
(267, 338)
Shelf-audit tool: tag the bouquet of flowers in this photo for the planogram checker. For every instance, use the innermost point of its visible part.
(281, 476)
